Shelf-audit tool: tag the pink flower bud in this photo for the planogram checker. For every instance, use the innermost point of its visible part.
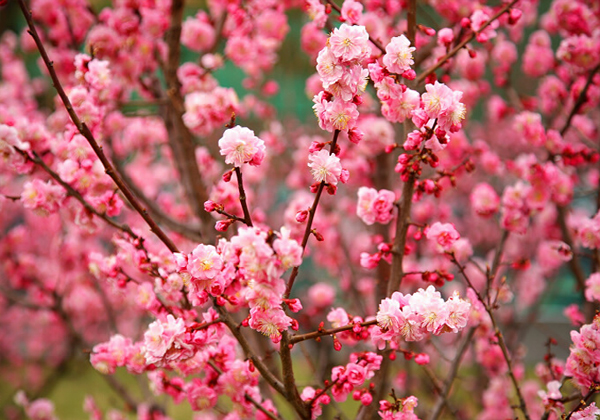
(422, 359)
(223, 225)
(318, 236)
(227, 176)
(366, 398)
(315, 146)
(210, 206)
(409, 74)
(301, 216)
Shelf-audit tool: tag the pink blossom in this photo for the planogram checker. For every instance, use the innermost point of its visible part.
(375, 206)
(484, 199)
(592, 287)
(239, 145)
(349, 43)
(165, 341)
(204, 262)
(269, 322)
(325, 167)
(591, 412)
(398, 57)
(351, 11)
(443, 234)
(197, 33)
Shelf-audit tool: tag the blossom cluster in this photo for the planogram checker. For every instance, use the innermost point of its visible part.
(584, 359)
(412, 317)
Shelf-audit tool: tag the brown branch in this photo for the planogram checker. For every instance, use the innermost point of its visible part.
(85, 132)
(464, 42)
(574, 263)
(501, 342)
(580, 100)
(320, 333)
(402, 225)
(311, 216)
(243, 202)
(180, 138)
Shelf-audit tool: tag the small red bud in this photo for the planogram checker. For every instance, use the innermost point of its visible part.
(318, 236)
(227, 176)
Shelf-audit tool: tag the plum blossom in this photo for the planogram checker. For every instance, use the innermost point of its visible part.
(166, 341)
(325, 167)
(349, 43)
(398, 57)
(592, 287)
(239, 145)
(375, 206)
(484, 200)
(444, 234)
(413, 317)
(204, 262)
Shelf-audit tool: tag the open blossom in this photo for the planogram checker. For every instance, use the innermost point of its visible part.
(398, 57)
(349, 43)
(412, 317)
(204, 262)
(592, 288)
(484, 199)
(270, 322)
(375, 206)
(239, 145)
(443, 233)
(165, 341)
(325, 167)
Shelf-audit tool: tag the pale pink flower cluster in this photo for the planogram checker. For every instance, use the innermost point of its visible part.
(205, 111)
(39, 409)
(443, 234)
(591, 412)
(119, 351)
(583, 364)
(441, 103)
(260, 267)
(397, 101)
(588, 232)
(201, 270)
(165, 341)
(592, 287)
(375, 206)
(343, 78)
(239, 145)
(414, 317)
(42, 197)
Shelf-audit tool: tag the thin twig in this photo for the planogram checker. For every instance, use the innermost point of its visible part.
(311, 217)
(243, 202)
(464, 42)
(320, 333)
(501, 342)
